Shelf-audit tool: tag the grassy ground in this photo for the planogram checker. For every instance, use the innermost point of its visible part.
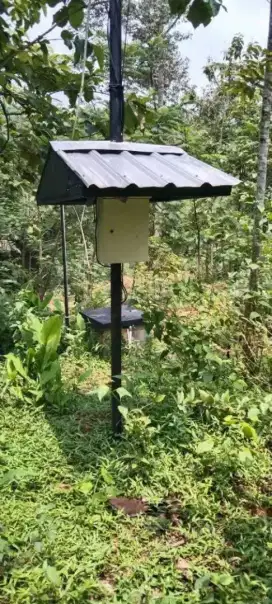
(61, 541)
(200, 459)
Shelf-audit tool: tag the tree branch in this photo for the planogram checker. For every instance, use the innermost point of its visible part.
(40, 37)
(171, 26)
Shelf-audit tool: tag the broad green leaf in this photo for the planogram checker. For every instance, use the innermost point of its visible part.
(253, 414)
(102, 392)
(123, 411)
(85, 487)
(131, 119)
(245, 455)
(239, 385)
(35, 325)
(268, 400)
(12, 476)
(225, 398)
(178, 7)
(207, 377)
(50, 335)
(80, 323)
(180, 398)
(122, 392)
(206, 397)
(99, 54)
(17, 364)
(53, 575)
(50, 374)
(44, 303)
(67, 37)
(51, 329)
(205, 447)
(254, 315)
(10, 369)
(202, 582)
(160, 398)
(79, 49)
(192, 395)
(203, 11)
(264, 407)
(76, 13)
(58, 306)
(211, 356)
(107, 477)
(84, 376)
(230, 420)
(249, 431)
(223, 579)
(4, 546)
(88, 93)
(61, 16)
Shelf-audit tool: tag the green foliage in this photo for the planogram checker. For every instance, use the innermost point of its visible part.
(197, 11)
(35, 371)
(205, 484)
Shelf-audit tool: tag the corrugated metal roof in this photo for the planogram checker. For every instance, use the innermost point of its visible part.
(112, 146)
(78, 171)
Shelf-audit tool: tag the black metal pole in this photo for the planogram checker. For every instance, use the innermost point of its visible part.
(64, 264)
(116, 134)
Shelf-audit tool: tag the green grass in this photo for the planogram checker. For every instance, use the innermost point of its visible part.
(62, 542)
(197, 447)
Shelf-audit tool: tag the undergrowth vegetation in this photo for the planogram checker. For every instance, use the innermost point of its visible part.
(196, 450)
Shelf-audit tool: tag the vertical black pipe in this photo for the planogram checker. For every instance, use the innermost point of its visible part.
(64, 264)
(116, 80)
(116, 134)
(116, 344)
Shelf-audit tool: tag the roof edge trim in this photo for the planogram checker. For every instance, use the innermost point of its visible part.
(111, 146)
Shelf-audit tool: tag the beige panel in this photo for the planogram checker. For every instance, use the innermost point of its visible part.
(122, 230)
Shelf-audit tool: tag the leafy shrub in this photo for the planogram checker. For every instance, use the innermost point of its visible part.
(34, 372)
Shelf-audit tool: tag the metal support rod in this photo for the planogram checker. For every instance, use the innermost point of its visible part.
(116, 344)
(116, 134)
(64, 264)
(116, 80)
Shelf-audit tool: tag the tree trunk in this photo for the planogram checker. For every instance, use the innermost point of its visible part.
(258, 206)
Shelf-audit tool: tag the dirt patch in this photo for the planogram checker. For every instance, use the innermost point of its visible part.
(175, 539)
(130, 507)
(88, 421)
(261, 512)
(187, 311)
(98, 377)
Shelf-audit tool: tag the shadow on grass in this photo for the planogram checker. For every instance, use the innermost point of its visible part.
(250, 549)
(83, 428)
